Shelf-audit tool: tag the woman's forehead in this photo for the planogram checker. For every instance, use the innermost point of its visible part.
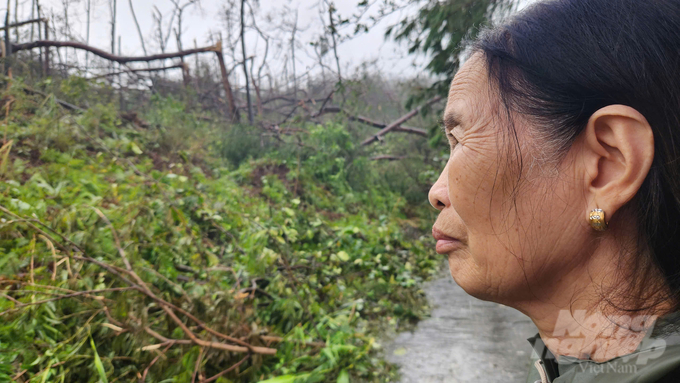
(470, 78)
(469, 88)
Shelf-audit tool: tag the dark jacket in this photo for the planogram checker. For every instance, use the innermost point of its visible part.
(656, 359)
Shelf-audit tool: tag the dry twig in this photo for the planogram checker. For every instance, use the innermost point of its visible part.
(214, 377)
(141, 286)
(146, 370)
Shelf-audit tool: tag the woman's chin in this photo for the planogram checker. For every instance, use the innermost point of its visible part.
(462, 276)
(469, 280)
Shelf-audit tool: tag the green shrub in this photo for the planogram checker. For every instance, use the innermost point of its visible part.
(302, 242)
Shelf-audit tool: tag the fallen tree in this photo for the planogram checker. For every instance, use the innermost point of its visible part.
(397, 123)
(112, 57)
(367, 121)
(137, 70)
(217, 49)
(388, 157)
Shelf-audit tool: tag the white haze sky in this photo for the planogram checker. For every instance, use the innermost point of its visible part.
(199, 23)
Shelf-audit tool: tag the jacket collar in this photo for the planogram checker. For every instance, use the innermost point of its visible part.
(666, 327)
(550, 365)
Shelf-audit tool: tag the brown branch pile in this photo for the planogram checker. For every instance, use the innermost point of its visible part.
(131, 278)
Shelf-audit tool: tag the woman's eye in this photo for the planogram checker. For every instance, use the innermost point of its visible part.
(451, 139)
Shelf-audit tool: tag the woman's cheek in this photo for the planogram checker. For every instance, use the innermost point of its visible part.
(467, 188)
(456, 171)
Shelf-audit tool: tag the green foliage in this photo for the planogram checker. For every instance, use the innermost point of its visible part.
(438, 29)
(237, 144)
(305, 242)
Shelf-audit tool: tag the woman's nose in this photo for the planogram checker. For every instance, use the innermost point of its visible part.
(439, 193)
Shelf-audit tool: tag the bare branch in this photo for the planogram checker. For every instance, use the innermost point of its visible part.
(33, 21)
(168, 307)
(227, 370)
(136, 70)
(146, 370)
(139, 30)
(65, 296)
(333, 31)
(387, 158)
(367, 121)
(323, 105)
(400, 121)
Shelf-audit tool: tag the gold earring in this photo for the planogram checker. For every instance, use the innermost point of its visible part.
(597, 220)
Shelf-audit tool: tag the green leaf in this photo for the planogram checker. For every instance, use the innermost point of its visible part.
(343, 256)
(6, 258)
(98, 363)
(46, 374)
(21, 205)
(135, 149)
(343, 377)
(280, 379)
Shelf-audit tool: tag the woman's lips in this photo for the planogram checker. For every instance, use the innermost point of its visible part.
(445, 244)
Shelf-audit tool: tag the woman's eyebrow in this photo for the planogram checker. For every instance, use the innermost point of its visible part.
(451, 119)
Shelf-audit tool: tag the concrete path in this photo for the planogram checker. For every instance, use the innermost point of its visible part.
(464, 341)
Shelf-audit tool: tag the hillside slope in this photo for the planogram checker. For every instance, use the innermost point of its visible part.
(158, 252)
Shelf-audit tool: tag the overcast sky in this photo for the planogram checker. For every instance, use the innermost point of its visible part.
(200, 23)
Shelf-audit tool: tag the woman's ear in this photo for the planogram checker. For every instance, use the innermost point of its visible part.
(618, 150)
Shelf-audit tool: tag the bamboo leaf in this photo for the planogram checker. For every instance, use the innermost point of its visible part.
(98, 363)
(285, 379)
(343, 377)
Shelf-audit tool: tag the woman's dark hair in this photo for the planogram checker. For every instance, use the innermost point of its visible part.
(560, 61)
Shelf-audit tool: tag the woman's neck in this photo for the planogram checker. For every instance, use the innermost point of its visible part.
(594, 336)
(578, 316)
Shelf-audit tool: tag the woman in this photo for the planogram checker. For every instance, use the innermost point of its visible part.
(561, 196)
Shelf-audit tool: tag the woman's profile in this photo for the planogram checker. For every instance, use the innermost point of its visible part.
(561, 195)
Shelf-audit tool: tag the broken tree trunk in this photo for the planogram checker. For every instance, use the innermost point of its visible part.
(8, 45)
(186, 76)
(245, 62)
(233, 113)
(46, 68)
(399, 121)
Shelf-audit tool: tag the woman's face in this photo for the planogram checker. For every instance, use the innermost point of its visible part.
(507, 235)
